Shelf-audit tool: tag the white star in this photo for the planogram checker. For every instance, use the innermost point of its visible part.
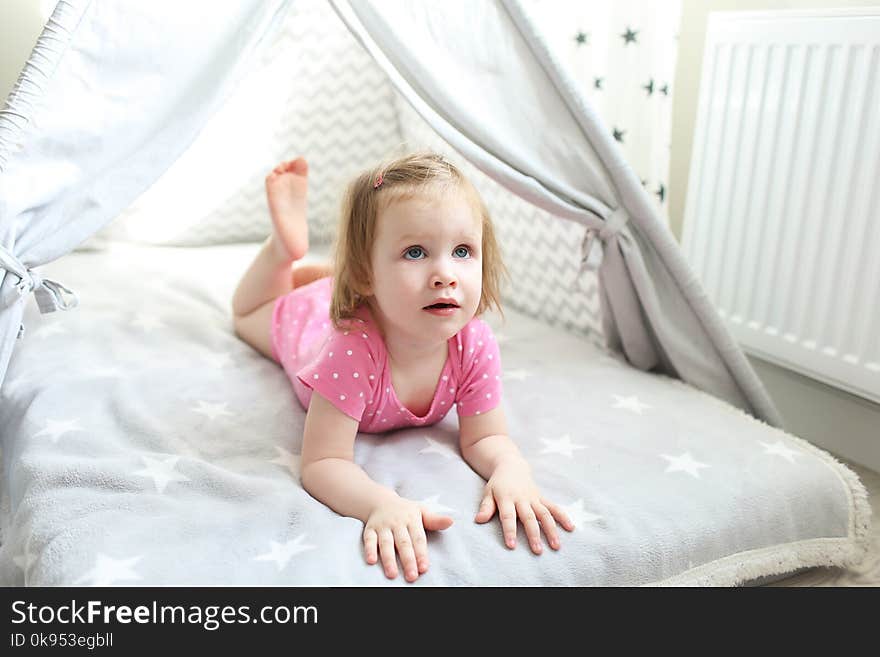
(281, 553)
(517, 375)
(57, 428)
(217, 359)
(108, 570)
(578, 515)
(779, 449)
(684, 463)
(49, 329)
(630, 403)
(434, 505)
(147, 322)
(161, 471)
(435, 447)
(561, 445)
(213, 411)
(289, 460)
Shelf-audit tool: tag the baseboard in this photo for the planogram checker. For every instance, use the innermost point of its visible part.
(839, 422)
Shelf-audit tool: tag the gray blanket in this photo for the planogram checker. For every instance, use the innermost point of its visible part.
(145, 444)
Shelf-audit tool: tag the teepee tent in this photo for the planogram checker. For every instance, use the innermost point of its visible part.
(145, 427)
(114, 93)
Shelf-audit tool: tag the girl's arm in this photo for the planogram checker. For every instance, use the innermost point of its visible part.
(392, 525)
(510, 488)
(484, 442)
(327, 468)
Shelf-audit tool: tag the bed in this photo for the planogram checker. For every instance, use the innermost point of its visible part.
(143, 443)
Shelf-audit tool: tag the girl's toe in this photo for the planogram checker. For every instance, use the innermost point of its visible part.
(299, 166)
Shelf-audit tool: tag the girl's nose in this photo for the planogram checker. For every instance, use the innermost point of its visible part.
(441, 281)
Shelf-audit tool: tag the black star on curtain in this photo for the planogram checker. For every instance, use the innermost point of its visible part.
(629, 36)
(661, 193)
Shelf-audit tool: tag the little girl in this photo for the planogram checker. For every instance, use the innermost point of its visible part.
(389, 336)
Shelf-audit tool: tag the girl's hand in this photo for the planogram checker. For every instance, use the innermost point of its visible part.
(400, 524)
(512, 490)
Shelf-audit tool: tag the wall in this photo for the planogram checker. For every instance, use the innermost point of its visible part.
(21, 22)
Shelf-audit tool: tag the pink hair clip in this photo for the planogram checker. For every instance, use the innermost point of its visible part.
(378, 182)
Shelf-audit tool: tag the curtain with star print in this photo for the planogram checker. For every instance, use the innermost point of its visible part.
(622, 55)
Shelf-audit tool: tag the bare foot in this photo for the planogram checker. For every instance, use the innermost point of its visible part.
(286, 189)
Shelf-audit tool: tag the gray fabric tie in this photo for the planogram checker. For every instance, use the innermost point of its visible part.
(610, 228)
(625, 329)
(49, 293)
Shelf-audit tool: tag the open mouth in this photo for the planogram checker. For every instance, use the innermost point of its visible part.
(440, 305)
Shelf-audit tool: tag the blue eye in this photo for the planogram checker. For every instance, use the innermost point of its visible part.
(466, 250)
(411, 249)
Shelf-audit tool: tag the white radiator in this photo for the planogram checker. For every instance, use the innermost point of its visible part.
(782, 219)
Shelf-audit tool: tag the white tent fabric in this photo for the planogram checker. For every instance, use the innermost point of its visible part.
(112, 94)
(477, 72)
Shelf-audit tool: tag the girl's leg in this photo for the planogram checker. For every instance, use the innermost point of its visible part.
(303, 273)
(255, 327)
(270, 275)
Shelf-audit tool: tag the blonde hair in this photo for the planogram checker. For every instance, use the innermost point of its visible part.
(403, 177)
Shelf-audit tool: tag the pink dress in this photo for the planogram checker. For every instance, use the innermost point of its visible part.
(350, 367)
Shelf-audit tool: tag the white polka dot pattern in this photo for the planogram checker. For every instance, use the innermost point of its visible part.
(360, 383)
(340, 381)
(479, 390)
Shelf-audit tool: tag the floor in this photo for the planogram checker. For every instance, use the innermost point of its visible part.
(868, 572)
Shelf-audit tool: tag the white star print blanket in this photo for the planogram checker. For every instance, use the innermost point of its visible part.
(145, 444)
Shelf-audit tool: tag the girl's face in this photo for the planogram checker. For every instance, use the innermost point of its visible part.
(425, 249)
